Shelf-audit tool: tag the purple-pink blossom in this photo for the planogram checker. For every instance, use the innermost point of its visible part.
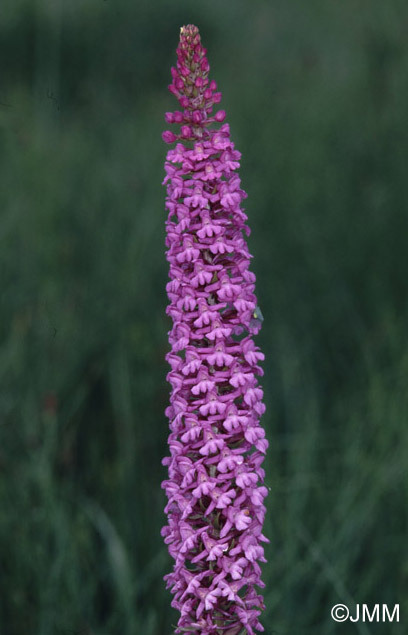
(215, 480)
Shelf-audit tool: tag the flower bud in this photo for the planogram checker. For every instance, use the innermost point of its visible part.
(168, 136)
(178, 116)
(186, 132)
(220, 115)
(196, 117)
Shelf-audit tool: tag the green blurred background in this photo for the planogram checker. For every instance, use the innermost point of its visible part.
(316, 94)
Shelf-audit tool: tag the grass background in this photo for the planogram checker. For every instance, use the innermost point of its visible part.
(316, 95)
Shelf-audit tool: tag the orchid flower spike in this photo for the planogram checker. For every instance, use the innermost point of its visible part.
(215, 487)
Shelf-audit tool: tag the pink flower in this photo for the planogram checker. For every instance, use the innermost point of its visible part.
(243, 519)
(220, 358)
(247, 479)
(236, 568)
(212, 446)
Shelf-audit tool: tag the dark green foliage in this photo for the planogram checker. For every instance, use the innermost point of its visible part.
(316, 94)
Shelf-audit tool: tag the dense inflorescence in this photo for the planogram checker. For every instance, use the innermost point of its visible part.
(215, 487)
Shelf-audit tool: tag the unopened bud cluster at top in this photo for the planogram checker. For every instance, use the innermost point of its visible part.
(195, 92)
